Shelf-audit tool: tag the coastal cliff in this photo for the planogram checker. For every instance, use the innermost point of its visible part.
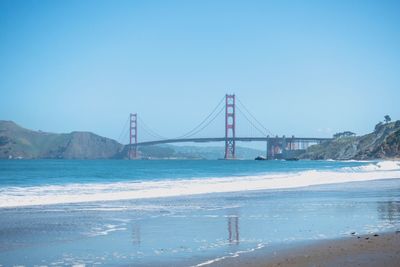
(383, 142)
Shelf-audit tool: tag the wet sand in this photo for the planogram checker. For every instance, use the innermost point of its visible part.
(369, 250)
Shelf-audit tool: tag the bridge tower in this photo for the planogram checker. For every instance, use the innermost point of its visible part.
(230, 125)
(132, 136)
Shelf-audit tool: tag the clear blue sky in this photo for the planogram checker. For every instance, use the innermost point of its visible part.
(309, 68)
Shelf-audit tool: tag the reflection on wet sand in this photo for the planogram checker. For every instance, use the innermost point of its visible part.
(233, 228)
(136, 234)
(389, 211)
(232, 223)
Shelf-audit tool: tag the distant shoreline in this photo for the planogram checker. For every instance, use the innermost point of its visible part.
(220, 159)
(17, 142)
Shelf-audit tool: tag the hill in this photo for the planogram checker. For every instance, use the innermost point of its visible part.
(18, 142)
(383, 142)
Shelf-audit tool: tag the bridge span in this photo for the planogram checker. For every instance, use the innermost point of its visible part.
(281, 147)
(239, 139)
(276, 147)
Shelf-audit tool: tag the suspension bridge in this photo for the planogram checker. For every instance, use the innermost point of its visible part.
(276, 146)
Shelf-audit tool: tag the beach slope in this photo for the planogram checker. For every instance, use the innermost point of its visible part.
(369, 251)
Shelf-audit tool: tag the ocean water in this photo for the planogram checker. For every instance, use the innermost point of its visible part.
(185, 213)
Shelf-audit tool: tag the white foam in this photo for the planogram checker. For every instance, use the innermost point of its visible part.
(75, 193)
(377, 166)
(230, 255)
(106, 229)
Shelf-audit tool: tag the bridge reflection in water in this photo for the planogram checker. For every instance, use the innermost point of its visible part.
(136, 237)
(233, 228)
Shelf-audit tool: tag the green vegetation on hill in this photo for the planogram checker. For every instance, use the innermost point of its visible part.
(18, 142)
(383, 142)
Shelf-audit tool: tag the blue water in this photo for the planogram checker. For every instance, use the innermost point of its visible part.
(185, 230)
(42, 172)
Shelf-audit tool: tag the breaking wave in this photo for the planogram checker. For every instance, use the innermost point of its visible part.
(89, 192)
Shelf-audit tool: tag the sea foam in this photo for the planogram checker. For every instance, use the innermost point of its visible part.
(89, 192)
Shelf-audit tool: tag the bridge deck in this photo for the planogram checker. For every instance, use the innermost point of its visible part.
(242, 139)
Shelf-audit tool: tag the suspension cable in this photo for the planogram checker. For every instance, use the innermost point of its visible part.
(190, 133)
(124, 129)
(208, 123)
(255, 127)
(205, 122)
(254, 118)
(148, 130)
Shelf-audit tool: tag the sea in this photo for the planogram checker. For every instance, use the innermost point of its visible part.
(185, 212)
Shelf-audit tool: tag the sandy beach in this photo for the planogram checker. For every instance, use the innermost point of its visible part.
(374, 250)
(304, 226)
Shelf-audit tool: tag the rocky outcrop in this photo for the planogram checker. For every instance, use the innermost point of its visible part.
(389, 148)
(384, 142)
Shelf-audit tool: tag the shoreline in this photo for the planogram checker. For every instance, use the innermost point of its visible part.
(69, 193)
(372, 250)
